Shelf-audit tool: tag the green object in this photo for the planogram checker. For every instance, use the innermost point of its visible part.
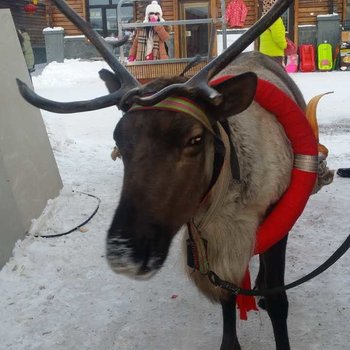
(273, 40)
(325, 57)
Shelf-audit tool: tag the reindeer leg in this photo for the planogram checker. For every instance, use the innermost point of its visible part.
(229, 338)
(260, 283)
(277, 304)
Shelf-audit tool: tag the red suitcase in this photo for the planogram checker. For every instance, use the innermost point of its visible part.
(307, 58)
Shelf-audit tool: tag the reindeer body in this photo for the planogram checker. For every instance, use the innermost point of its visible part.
(170, 162)
(265, 160)
(167, 176)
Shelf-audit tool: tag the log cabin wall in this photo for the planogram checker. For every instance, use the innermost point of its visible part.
(59, 20)
(308, 10)
(305, 12)
(168, 7)
(252, 15)
(170, 10)
(34, 23)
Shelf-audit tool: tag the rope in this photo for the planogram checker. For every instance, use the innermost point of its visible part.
(80, 225)
(217, 281)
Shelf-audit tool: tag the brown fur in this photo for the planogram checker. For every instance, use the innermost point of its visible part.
(164, 180)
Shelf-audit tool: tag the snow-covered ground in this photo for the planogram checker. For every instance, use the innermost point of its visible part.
(59, 293)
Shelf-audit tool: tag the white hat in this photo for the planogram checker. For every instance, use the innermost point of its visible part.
(153, 7)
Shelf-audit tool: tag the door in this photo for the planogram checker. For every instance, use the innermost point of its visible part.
(194, 38)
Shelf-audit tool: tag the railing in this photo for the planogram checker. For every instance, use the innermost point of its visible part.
(211, 21)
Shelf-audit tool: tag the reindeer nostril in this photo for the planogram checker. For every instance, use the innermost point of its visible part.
(144, 269)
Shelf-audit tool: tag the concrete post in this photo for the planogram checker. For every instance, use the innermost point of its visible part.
(28, 171)
(54, 44)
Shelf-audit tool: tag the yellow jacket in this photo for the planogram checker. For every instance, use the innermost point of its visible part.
(273, 40)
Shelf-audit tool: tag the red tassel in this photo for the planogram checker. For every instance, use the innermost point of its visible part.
(245, 303)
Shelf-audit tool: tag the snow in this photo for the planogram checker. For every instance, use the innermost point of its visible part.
(53, 29)
(328, 15)
(59, 293)
(74, 37)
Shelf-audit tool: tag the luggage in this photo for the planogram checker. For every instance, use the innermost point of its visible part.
(325, 57)
(292, 63)
(291, 48)
(307, 58)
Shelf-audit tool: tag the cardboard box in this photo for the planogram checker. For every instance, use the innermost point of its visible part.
(345, 36)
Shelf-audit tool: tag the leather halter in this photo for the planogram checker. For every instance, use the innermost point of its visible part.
(185, 105)
(179, 104)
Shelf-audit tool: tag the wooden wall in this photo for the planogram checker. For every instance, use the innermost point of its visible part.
(306, 13)
(308, 10)
(168, 7)
(170, 10)
(59, 20)
(33, 23)
(252, 14)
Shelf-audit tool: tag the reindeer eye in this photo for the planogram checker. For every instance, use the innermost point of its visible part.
(194, 141)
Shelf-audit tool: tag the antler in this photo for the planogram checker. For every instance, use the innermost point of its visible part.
(68, 107)
(130, 90)
(198, 84)
(127, 82)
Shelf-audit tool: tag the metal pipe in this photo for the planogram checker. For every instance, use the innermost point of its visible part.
(223, 25)
(168, 60)
(169, 23)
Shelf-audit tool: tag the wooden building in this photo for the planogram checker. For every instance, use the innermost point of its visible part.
(30, 15)
(103, 16)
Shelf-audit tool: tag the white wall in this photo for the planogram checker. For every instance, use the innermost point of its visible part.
(28, 171)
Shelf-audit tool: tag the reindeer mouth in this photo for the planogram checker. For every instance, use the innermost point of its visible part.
(121, 259)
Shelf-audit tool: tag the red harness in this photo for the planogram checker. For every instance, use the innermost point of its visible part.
(286, 212)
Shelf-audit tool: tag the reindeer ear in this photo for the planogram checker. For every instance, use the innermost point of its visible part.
(238, 93)
(112, 82)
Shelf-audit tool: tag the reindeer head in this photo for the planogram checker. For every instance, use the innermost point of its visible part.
(170, 154)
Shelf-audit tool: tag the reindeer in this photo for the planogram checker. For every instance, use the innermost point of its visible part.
(178, 139)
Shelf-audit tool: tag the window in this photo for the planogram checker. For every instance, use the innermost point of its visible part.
(102, 14)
